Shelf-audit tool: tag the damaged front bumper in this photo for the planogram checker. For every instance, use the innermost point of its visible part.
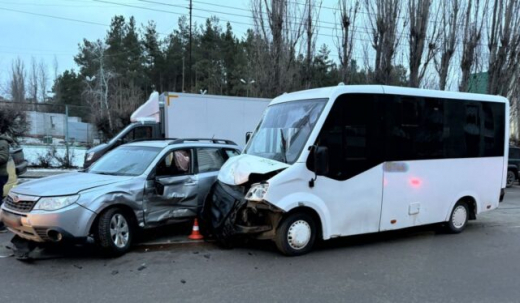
(229, 214)
(69, 224)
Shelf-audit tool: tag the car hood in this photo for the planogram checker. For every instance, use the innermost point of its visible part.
(236, 170)
(66, 184)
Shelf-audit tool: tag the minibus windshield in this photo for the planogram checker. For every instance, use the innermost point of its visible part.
(284, 130)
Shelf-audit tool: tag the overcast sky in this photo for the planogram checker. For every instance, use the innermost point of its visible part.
(25, 32)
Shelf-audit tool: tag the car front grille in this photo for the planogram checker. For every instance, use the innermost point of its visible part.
(21, 206)
(223, 199)
(42, 233)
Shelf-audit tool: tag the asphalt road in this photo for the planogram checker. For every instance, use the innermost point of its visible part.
(415, 265)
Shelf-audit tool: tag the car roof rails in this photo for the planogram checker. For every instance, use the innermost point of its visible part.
(153, 139)
(212, 140)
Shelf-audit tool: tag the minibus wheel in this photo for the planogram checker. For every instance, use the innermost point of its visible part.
(510, 178)
(458, 218)
(114, 232)
(296, 234)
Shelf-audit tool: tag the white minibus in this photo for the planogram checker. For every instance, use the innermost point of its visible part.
(349, 160)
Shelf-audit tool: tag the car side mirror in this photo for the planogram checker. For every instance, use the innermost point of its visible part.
(321, 160)
(248, 136)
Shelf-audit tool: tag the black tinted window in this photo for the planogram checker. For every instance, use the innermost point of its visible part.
(352, 135)
(514, 153)
(143, 133)
(365, 130)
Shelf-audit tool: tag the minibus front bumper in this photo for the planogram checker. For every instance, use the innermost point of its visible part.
(229, 214)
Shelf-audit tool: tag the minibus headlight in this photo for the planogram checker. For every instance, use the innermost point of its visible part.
(54, 203)
(257, 192)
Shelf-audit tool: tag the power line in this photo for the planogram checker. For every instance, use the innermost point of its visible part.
(54, 17)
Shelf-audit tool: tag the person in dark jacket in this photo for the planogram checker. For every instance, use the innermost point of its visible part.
(5, 140)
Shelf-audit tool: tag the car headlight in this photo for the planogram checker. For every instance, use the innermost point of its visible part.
(90, 156)
(54, 203)
(257, 192)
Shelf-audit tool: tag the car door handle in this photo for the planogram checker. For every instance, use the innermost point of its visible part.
(191, 182)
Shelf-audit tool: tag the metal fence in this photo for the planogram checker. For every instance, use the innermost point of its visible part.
(57, 124)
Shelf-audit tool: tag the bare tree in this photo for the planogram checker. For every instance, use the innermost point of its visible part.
(419, 12)
(383, 18)
(279, 24)
(472, 29)
(43, 80)
(98, 85)
(504, 47)
(33, 81)
(55, 68)
(449, 31)
(312, 12)
(17, 81)
(345, 41)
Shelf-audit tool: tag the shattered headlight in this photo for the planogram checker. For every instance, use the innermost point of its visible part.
(257, 192)
(54, 203)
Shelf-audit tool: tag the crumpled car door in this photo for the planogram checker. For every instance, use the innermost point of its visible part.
(173, 197)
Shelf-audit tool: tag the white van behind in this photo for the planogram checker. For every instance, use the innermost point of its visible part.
(350, 160)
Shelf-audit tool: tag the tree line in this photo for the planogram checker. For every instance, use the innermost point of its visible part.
(418, 43)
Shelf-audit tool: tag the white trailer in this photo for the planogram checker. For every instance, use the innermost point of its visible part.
(211, 116)
(181, 115)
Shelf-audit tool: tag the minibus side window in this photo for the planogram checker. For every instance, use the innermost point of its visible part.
(352, 136)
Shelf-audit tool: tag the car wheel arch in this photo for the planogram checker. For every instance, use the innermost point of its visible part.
(125, 208)
(472, 203)
(314, 215)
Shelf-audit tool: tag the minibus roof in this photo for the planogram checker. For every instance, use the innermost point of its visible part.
(333, 91)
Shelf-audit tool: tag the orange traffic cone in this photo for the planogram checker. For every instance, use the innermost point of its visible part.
(195, 234)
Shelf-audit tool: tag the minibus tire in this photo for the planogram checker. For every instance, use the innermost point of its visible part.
(511, 178)
(450, 226)
(105, 240)
(298, 220)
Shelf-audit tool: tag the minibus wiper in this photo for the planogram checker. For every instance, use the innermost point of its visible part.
(284, 146)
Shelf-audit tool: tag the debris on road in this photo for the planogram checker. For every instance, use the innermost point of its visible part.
(143, 266)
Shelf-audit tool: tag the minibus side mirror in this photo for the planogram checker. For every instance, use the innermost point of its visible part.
(321, 160)
(248, 136)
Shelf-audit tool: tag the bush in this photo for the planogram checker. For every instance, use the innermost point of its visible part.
(51, 158)
(45, 160)
(67, 160)
(14, 119)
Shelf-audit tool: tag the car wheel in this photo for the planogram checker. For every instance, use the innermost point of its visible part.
(510, 178)
(296, 234)
(458, 218)
(114, 232)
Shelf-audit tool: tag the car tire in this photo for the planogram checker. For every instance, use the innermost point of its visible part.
(511, 178)
(458, 218)
(296, 234)
(114, 232)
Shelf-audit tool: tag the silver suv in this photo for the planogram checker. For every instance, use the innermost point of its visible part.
(137, 185)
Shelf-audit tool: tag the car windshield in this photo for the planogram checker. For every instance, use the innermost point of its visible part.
(125, 161)
(284, 130)
(120, 135)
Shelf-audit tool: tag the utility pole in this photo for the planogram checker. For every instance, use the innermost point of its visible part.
(189, 59)
(67, 134)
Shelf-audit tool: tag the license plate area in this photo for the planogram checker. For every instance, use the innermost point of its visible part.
(12, 220)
